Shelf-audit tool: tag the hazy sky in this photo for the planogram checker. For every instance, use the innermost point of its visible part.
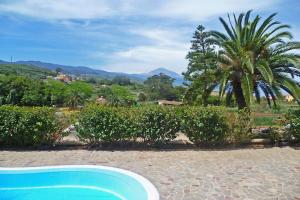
(119, 35)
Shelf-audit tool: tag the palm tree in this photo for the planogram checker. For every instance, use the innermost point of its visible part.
(256, 57)
(75, 98)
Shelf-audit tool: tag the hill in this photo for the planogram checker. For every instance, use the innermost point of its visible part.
(164, 71)
(178, 78)
(24, 70)
(87, 71)
(79, 70)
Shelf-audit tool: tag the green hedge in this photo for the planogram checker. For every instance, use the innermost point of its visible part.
(152, 124)
(105, 124)
(204, 125)
(157, 124)
(293, 119)
(20, 126)
(240, 127)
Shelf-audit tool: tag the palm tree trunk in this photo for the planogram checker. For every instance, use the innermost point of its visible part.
(238, 93)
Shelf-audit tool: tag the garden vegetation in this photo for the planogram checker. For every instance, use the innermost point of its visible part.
(254, 57)
(37, 126)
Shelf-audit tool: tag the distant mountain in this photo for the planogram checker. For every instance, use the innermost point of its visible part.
(178, 78)
(87, 71)
(24, 70)
(80, 70)
(163, 71)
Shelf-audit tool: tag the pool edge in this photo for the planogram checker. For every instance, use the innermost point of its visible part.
(151, 190)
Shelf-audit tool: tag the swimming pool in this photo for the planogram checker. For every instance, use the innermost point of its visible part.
(74, 183)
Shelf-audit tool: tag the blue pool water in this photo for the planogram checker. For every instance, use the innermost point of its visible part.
(73, 183)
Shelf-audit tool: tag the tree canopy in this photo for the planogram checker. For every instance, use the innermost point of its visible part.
(20, 90)
(255, 57)
(160, 87)
(200, 73)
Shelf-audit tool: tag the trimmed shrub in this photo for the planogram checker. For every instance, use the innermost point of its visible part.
(204, 125)
(157, 124)
(293, 120)
(240, 126)
(21, 126)
(104, 124)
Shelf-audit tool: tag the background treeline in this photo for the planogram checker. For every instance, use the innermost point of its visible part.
(156, 87)
(20, 126)
(22, 90)
(121, 91)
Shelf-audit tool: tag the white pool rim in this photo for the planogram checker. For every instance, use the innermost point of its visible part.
(152, 192)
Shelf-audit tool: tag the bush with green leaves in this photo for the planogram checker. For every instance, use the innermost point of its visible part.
(204, 125)
(104, 124)
(157, 124)
(22, 126)
(293, 120)
(240, 124)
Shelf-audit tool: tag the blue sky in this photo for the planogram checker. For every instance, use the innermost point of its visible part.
(119, 35)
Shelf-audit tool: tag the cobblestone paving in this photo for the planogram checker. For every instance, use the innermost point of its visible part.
(190, 175)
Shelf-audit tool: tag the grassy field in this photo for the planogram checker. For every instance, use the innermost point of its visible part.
(264, 115)
(267, 120)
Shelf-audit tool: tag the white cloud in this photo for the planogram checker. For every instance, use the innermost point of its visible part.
(168, 49)
(146, 58)
(60, 9)
(203, 9)
(161, 36)
(159, 47)
(95, 9)
(296, 33)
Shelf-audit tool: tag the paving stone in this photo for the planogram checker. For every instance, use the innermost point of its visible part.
(256, 174)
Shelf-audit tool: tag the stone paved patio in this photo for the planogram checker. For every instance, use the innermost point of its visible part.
(190, 175)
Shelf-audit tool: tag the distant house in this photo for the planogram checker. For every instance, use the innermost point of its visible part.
(214, 94)
(101, 100)
(169, 103)
(64, 78)
(270, 98)
(49, 77)
(289, 98)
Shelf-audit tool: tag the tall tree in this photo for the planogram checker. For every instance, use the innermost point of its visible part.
(75, 98)
(160, 87)
(56, 92)
(200, 73)
(256, 57)
(58, 70)
(77, 92)
(121, 80)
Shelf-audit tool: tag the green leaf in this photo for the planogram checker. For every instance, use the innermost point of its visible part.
(265, 70)
(223, 83)
(249, 65)
(247, 86)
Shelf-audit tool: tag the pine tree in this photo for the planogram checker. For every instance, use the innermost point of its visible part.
(201, 69)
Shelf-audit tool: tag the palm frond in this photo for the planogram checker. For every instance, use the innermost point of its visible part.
(264, 68)
(264, 26)
(247, 86)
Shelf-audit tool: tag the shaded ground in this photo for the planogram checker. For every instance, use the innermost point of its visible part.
(272, 173)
